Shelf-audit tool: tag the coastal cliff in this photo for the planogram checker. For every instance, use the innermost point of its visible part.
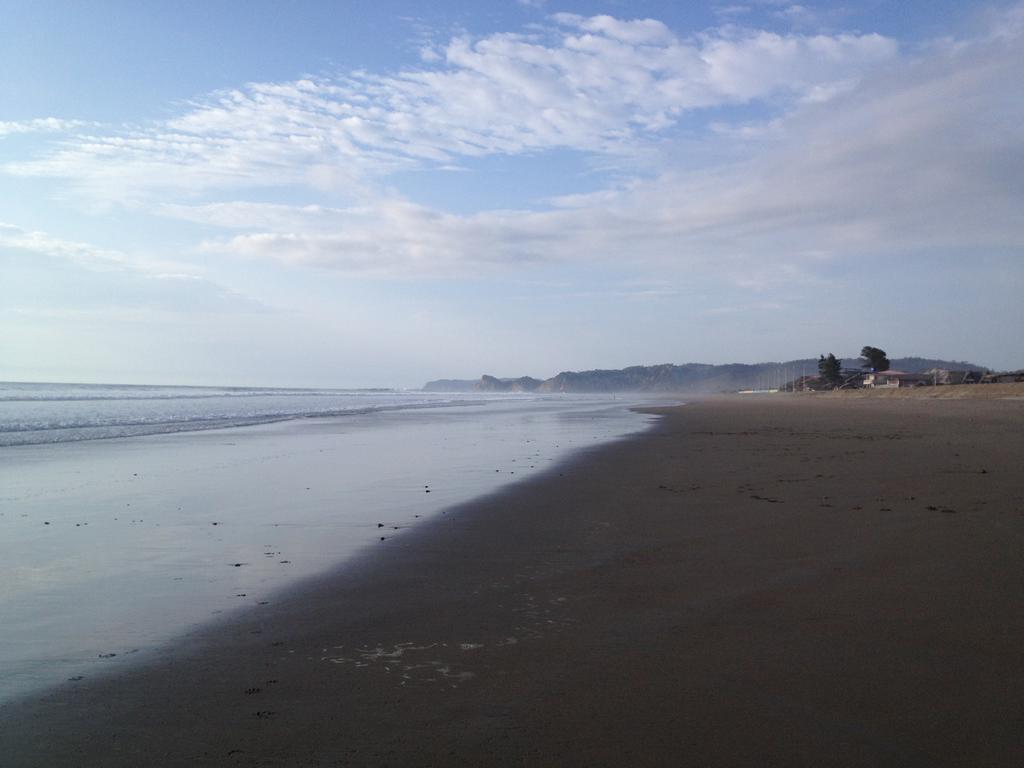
(689, 377)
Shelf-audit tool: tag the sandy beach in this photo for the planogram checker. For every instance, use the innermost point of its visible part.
(791, 581)
(114, 548)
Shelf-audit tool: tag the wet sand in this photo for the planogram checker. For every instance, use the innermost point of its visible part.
(111, 548)
(757, 581)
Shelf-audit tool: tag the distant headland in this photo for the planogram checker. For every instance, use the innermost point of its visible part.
(688, 377)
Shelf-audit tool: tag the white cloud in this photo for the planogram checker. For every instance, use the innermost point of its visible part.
(12, 236)
(40, 125)
(599, 85)
(746, 66)
(634, 31)
(924, 156)
(879, 154)
(390, 237)
(98, 276)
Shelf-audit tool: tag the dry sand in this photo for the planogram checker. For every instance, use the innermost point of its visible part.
(1009, 391)
(759, 581)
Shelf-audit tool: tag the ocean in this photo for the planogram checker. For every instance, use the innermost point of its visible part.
(57, 413)
(131, 516)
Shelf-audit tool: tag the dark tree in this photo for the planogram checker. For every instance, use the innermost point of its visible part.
(830, 369)
(874, 359)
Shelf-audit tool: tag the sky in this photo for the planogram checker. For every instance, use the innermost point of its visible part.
(377, 194)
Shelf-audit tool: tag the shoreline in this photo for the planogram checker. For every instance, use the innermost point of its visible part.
(115, 548)
(749, 582)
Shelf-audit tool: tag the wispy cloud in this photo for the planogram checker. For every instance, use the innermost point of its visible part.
(926, 155)
(41, 125)
(876, 152)
(122, 280)
(595, 84)
(12, 236)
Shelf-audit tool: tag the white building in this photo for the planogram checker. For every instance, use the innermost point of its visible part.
(895, 379)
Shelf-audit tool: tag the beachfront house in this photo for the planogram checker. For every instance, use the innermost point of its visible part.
(895, 379)
(1006, 377)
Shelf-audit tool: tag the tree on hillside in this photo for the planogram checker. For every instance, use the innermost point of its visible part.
(874, 359)
(830, 369)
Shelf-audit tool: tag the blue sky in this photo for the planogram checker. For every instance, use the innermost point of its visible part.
(363, 194)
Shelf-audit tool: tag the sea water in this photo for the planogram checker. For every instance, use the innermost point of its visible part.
(57, 413)
(129, 515)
